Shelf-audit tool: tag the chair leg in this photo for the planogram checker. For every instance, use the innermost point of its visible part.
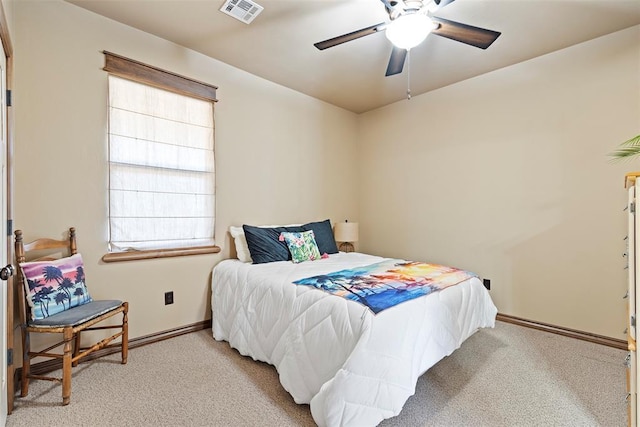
(26, 362)
(125, 333)
(76, 348)
(66, 365)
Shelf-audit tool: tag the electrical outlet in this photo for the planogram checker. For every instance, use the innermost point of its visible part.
(168, 298)
(487, 283)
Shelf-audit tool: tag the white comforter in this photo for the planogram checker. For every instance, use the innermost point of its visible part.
(354, 368)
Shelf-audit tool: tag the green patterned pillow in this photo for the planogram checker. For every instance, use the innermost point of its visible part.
(302, 245)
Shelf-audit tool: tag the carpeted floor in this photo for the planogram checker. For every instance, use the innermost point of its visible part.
(507, 376)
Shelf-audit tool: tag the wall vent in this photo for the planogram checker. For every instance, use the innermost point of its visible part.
(243, 10)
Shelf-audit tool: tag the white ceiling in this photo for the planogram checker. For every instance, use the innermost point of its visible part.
(278, 44)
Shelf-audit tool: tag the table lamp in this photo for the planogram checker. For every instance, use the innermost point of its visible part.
(346, 233)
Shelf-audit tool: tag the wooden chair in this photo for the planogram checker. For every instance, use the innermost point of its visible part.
(70, 323)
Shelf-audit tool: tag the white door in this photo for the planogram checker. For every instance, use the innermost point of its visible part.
(3, 232)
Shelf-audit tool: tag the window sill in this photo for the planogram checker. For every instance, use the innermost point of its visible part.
(158, 253)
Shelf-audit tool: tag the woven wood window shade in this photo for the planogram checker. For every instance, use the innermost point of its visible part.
(161, 159)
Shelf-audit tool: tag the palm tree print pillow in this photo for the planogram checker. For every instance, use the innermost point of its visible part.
(54, 286)
(302, 246)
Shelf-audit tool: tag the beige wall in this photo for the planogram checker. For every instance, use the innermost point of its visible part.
(276, 150)
(507, 175)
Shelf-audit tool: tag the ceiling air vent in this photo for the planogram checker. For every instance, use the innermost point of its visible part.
(243, 10)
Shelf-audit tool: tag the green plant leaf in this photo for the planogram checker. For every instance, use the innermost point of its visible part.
(629, 148)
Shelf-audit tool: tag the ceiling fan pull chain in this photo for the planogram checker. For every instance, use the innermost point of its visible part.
(408, 73)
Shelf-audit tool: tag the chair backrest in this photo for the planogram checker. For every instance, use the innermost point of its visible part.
(39, 250)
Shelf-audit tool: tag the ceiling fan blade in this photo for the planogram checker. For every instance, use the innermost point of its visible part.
(396, 62)
(474, 36)
(350, 36)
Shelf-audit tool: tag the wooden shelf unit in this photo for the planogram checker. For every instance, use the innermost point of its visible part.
(632, 297)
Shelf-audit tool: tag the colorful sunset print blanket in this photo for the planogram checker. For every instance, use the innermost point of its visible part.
(384, 284)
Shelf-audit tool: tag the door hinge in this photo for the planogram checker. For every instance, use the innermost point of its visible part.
(632, 208)
(9, 100)
(9, 227)
(9, 356)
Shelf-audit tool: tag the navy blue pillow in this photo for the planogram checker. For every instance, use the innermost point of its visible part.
(324, 236)
(264, 244)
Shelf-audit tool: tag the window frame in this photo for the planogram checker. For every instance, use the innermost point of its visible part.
(146, 74)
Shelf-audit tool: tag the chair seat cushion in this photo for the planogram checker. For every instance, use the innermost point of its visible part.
(77, 315)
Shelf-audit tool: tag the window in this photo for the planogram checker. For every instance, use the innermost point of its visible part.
(161, 163)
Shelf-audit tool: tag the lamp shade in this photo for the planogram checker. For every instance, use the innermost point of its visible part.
(346, 231)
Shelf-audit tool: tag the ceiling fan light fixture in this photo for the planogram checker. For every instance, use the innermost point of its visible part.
(408, 31)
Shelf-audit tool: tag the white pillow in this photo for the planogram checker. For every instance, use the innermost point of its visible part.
(242, 249)
(240, 241)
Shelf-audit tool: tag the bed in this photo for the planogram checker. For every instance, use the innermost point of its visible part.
(352, 366)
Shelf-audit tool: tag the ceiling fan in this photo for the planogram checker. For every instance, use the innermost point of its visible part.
(410, 22)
